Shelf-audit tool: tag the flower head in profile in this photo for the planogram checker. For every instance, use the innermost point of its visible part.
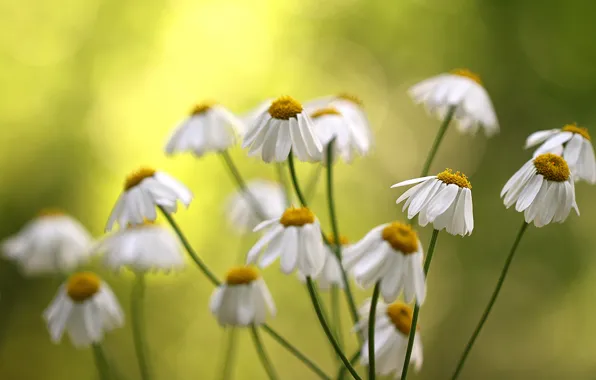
(142, 247)
(86, 308)
(392, 255)
(210, 127)
(281, 128)
(392, 329)
(53, 242)
(144, 190)
(243, 299)
(543, 189)
(295, 238)
(462, 91)
(270, 199)
(574, 144)
(445, 200)
(331, 274)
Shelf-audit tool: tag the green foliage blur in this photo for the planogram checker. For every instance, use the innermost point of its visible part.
(91, 89)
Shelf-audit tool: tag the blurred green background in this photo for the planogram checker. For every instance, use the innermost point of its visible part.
(91, 89)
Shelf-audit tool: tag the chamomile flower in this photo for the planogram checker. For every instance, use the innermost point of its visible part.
(144, 190)
(243, 299)
(543, 189)
(295, 238)
(331, 273)
(330, 125)
(86, 308)
(269, 197)
(461, 90)
(574, 144)
(445, 200)
(53, 242)
(392, 255)
(142, 247)
(281, 128)
(209, 128)
(392, 329)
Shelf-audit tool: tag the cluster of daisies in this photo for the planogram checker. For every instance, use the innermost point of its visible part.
(322, 131)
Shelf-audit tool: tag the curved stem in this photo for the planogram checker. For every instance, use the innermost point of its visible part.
(429, 257)
(262, 354)
(138, 325)
(101, 362)
(294, 178)
(371, 331)
(314, 299)
(438, 138)
(493, 298)
(229, 355)
(342, 370)
(336, 314)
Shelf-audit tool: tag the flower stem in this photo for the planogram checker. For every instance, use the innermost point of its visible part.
(101, 362)
(336, 314)
(138, 325)
(342, 370)
(371, 331)
(229, 355)
(429, 257)
(314, 299)
(438, 138)
(493, 298)
(262, 354)
(295, 183)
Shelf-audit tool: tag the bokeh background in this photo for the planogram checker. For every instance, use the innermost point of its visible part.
(91, 89)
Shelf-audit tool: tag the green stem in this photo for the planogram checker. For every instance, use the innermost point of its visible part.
(313, 181)
(138, 325)
(229, 356)
(294, 178)
(438, 138)
(282, 179)
(336, 314)
(342, 370)
(493, 298)
(101, 362)
(429, 257)
(371, 331)
(314, 299)
(262, 354)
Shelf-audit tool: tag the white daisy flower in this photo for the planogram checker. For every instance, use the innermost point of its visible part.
(543, 189)
(270, 198)
(243, 299)
(445, 200)
(295, 238)
(392, 330)
(574, 144)
(144, 190)
(53, 242)
(142, 247)
(85, 307)
(392, 255)
(462, 91)
(209, 128)
(331, 273)
(281, 128)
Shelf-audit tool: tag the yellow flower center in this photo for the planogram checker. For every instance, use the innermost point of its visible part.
(401, 237)
(351, 98)
(343, 240)
(297, 216)
(401, 316)
(284, 108)
(203, 107)
(324, 111)
(82, 286)
(241, 275)
(51, 211)
(136, 177)
(457, 178)
(146, 223)
(573, 128)
(552, 167)
(467, 74)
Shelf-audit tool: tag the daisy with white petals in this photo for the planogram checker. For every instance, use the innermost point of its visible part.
(574, 144)
(209, 128)
(543, 189)
(392, 255)
(392, 329)
(445, 200)
(281, 128)
(144, 190)
(462, 93)
(295, 238)
(331, 274)
(86, 308)
(53, 242)
(142, 247)
(243, 299)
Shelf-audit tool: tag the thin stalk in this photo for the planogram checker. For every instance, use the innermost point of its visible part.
(336, 314)
(101, 362)
(371, 331)
(229, 355)
(491, 303)
(138, 325)
(314, 299)
(294, 178)
(263, 354)
(438, 138)
(342, 370)
(427, 261)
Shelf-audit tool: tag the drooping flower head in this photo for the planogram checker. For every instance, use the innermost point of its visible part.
(331, 273)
